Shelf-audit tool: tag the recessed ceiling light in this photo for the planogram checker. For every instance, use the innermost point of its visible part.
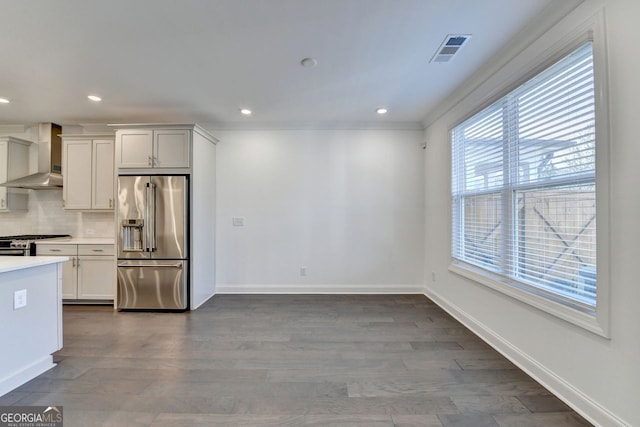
(309, 62)
(381, 110)
(245, 111)
(94, 98)
(4, 101)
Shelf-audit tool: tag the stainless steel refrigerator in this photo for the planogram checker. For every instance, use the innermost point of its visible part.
(153, 230)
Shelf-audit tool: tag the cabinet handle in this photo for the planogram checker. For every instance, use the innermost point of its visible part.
(150, 161)
(54, 250)
(110, 203)
(63, 203)
(73, 262)
(1, 203)
(97, 250)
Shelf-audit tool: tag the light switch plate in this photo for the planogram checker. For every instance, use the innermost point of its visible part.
(19, 299)
(237, 221)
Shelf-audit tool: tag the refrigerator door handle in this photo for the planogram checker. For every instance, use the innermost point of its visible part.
(153, 243)
(150, 217)
(147, 224)
(174, 265)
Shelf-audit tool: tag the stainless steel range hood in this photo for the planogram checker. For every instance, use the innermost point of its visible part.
(49, 176)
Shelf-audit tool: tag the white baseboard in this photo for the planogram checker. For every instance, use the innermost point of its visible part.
(16, 379)
(223, 288)
(580, 402)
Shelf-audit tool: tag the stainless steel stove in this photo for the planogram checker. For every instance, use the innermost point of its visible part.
(24, 244)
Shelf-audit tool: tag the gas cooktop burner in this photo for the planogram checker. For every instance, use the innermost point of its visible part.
(33, 236)
(24, 244)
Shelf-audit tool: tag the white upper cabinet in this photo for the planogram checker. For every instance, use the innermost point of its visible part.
(103, 174)
(152, 148)
(88, 172)
(171, 148)
(14, 163)
(76, 173)
(134, 148)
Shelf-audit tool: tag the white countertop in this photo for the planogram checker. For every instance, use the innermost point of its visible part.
(13, 263)
(77, 241)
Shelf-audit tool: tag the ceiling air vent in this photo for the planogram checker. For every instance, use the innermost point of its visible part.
(449, 47)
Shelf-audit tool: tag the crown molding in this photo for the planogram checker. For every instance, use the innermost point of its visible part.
(286, 125)
(544, 22)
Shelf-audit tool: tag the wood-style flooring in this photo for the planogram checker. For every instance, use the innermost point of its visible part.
(286, 360)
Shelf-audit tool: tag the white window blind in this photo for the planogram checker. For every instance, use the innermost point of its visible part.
(523, 185)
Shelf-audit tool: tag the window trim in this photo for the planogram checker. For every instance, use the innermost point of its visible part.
(598, 320)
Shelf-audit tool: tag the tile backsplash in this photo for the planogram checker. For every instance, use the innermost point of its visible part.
(46, 216)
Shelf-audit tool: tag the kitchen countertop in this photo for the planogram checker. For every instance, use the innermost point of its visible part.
(77, 241)
(13, 263)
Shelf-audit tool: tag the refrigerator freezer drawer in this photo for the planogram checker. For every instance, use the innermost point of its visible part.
(152, 285)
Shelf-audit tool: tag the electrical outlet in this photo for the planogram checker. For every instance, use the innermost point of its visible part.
(237, 221)
(303, 271)
(19, 299)
(90, 231)
(433, 276)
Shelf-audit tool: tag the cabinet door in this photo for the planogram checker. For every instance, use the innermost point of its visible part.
(4, 157)
(14, 163)
(171, 148)
(70, 279)
(17, 160)
(134, 148)
(69, 271)
(103, 179)
(76, 170)
(96, 277)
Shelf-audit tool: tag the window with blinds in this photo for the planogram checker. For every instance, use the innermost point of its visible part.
(523, 185)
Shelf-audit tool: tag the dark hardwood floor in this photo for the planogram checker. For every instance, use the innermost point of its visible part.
(286, 360)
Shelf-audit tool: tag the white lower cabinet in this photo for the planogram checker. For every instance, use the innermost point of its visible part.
(90, 272)
(96, 270)
(70, 278)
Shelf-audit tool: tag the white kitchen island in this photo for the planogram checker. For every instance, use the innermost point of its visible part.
(30, 317)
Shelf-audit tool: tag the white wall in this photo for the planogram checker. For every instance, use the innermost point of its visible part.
(46, 216)
(346, 204)
(597, 376)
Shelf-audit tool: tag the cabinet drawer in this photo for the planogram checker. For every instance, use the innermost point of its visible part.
(57, 250)
(95, 250)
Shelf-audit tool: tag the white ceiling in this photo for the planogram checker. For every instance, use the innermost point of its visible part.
(202, 60)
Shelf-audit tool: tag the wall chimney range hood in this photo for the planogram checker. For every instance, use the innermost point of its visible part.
(49, 176)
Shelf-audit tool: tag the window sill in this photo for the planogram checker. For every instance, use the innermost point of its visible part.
(583, 320)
